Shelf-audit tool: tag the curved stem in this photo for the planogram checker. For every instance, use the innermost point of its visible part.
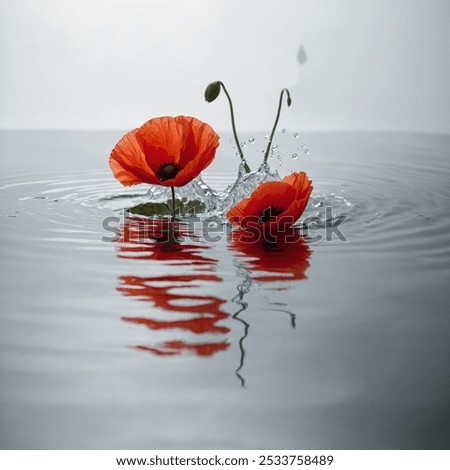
(238, 299)
(233, 125)
(266, 155)
(173, 202)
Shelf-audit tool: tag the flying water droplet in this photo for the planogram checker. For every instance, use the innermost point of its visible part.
(243, 144)
(294, 156)
(283, 131)
(274, 146)
(301, 55)
(251, 140)
(303, 146)
(267, 137)
(296, 135)
(306, 152)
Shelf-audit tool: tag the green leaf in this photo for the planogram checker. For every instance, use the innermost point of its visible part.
(182, 207)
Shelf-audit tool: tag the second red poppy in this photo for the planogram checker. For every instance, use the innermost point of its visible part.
(273, 205)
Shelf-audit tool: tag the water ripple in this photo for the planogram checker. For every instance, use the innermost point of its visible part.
(392, 204)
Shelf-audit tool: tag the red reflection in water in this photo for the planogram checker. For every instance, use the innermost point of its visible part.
(173, 348)
(282, 256)
(159, 240)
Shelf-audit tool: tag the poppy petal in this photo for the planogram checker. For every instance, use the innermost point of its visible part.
(127, 161)
(161, 140)
(236, 213)
(302, 184)
(200, 141)
(271, 194)
(297, 208)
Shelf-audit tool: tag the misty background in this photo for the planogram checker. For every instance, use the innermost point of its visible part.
(113, 64)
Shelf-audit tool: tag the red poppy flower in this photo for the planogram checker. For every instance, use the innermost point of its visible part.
(276, 204)
(168, 151)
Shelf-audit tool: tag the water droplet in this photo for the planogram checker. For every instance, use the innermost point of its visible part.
(267, 137)
(294, 156)
(296, 135)
(230, 140)
(301, 56)
(238, 154)
(303, 146)
(243, 144)
(274, 146)
(284, 131)
(306, 152)
(251, 140)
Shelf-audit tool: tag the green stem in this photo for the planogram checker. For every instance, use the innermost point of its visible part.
(173, 203)
(238, 145)
(266, 155)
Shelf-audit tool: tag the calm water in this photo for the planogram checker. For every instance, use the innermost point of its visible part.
(319, 344)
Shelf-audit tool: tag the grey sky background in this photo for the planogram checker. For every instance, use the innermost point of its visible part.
(110, 64)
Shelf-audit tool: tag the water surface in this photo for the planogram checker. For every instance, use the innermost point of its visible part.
(136, 345)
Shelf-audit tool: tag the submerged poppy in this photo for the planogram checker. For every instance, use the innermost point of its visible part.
(168, 151)
(276, 204)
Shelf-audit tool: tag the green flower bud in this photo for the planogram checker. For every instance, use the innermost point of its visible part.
(212, 91)
(289, 101)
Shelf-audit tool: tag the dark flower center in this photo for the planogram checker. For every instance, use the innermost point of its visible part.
(167, 171)
(269, 213)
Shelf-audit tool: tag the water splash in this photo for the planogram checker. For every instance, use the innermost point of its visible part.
(218, 203)
(245, 184)
(196, 190)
